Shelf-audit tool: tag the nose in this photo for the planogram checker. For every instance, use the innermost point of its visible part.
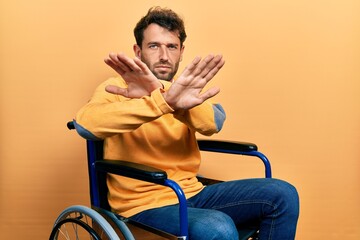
(163, 53)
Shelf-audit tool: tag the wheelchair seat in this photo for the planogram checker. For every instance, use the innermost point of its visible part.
(98, 222)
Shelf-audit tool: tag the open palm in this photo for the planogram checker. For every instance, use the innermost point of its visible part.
(140, 80)
(186, 91)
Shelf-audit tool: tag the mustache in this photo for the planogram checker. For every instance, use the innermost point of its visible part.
(162, 64)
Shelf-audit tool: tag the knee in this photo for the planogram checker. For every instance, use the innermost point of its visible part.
(215, 226)
(286, 198)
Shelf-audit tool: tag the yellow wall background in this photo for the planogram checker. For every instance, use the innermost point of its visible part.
(291, 84)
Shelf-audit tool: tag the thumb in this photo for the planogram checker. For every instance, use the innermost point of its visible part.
(116, 90)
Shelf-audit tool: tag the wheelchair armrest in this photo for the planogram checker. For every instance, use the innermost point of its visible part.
(241, 148)
(132, 170)
(226, 146)
(148, 174)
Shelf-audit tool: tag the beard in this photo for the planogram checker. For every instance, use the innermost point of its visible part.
(167, 76)
(162, 75)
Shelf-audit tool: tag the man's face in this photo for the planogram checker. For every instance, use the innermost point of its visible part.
(160, 51)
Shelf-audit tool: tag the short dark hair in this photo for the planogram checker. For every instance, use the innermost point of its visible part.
(163, 17)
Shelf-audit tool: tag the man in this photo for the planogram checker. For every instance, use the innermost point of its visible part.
(146, 117)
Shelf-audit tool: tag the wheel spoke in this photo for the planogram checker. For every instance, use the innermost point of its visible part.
(80, 223)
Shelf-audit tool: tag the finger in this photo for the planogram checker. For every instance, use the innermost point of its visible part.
(209, 93)
(214, 69)
(116, 90)
(114, 66)
(119, 63)
(189, 68)
(200, 68)
(210, 65)
(143, 67)
(128, 62)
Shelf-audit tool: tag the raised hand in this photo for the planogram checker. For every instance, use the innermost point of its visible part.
(140, 80)
(186, 91)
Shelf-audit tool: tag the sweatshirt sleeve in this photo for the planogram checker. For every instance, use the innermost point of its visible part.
(207, 118)
(107, 114)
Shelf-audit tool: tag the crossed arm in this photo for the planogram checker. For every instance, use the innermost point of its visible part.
(185, 93)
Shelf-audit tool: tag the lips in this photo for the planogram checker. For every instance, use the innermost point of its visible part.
(163, 69)
(163, 66)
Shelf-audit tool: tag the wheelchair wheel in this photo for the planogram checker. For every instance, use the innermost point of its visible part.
(80, 222)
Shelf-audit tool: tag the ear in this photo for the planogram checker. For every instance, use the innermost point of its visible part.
(181, 52)
(137, 51)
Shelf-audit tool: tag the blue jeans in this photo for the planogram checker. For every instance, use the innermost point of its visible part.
(270, 205)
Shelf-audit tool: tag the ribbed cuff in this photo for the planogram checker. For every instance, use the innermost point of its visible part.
(160, 101)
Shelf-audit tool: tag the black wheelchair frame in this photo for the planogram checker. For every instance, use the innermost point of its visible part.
(99, 222)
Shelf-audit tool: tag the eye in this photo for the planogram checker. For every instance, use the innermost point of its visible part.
(153, 46)
(172, 47)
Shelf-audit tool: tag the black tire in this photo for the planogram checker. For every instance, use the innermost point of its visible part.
(80, 222)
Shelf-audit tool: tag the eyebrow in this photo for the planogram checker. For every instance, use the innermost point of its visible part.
(167, 44)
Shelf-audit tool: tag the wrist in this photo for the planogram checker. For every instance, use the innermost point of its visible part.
(169, 100)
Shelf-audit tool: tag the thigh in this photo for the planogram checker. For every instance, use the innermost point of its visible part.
(253, 203)
(245, 201)
(203, 223)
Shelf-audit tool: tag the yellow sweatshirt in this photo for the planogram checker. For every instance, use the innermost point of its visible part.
(148, 131)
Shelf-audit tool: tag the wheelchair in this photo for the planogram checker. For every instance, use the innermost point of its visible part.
(98, 222)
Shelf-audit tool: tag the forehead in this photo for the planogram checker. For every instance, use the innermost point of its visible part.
(156, 33)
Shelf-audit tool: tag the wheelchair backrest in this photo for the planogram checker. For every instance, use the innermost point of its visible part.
(97, 179)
